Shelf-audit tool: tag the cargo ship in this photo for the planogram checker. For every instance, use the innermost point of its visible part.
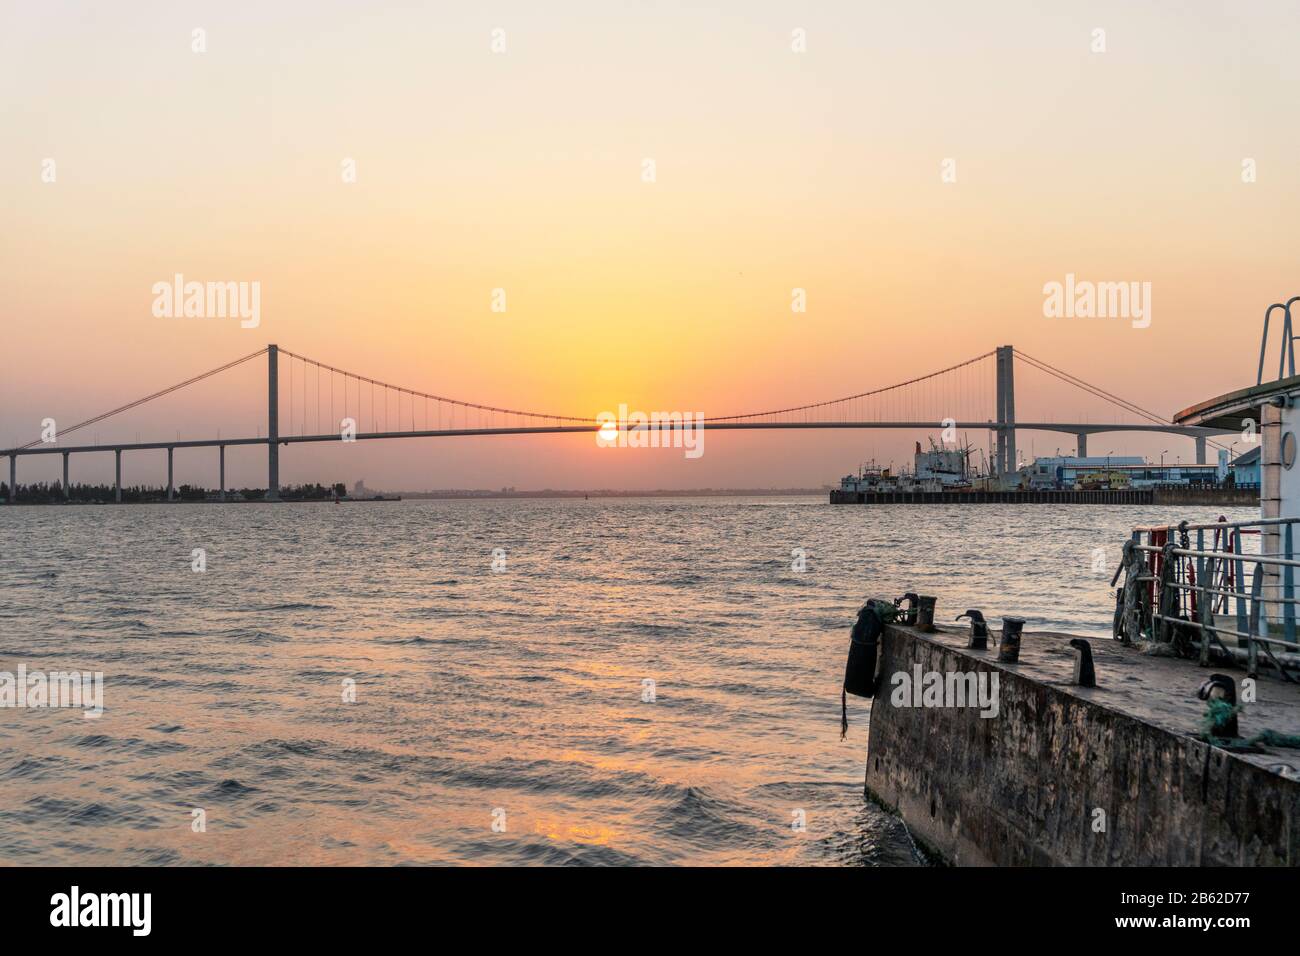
(940, 468)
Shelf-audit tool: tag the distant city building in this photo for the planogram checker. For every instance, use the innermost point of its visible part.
(945, 468)
(359, 490)
(1117, 471)
(1063, 471)
(1245, 469)
(1149, 476)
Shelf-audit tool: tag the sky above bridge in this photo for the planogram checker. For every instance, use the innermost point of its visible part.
(671, 206)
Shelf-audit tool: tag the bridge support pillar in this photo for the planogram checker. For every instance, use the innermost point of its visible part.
(223, 472)
(117, 478)
(170, 450)
(1000, 453)
(67, 493)
(1081, 445)
(13, 479)
(1200, 450)
(272, 423)
(1006, 395)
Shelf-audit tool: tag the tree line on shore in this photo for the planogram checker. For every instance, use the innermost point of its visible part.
(51, 492)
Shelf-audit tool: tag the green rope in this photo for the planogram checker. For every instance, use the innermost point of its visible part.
(1219, 712)
(1271, 738)
(888, 613)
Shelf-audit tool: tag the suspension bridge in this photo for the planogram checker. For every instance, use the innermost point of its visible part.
(314, 395)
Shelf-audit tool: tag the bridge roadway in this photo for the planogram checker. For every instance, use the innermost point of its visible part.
(1079, 430)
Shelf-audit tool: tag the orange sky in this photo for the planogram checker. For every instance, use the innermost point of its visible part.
(522, 170)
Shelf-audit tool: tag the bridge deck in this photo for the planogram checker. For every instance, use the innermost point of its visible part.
(1070, 428)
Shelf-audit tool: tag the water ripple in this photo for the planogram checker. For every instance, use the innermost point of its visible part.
(647, 681)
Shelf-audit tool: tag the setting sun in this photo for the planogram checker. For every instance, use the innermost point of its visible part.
(321, 317)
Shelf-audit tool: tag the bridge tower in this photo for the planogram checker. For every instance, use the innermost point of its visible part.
(1006, 395)
(272, 423)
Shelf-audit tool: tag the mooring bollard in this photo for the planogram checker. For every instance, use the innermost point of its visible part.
(925, 613)
(1009, 645)
(909, 615)
(1084, 673)
(1223, 716)
(979, 630)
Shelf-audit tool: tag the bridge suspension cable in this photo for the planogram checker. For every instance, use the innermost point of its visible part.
(441, 399)
(850, 398)
(959, 391)
(1099, 392)
(953, 395)
(149, 398)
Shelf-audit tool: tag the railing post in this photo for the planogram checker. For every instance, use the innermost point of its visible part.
(1270, 500)
(222, 496)
(67, 492)
(272, 423)
(1289, 345)
(1263, 342)
(13, 479)
(1288, 589)
(1258, 621)
(1286, 341)
(117, 479)
(1243, 626)
(1207, 627)
(1168, 599)
(1200, 573)
(170, 449)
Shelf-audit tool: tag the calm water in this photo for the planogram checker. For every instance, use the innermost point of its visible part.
(481, 691)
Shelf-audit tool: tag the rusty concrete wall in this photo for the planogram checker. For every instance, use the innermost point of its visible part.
(1233, 497)
(1119, 497)
(1228, 497)
(1020, 789)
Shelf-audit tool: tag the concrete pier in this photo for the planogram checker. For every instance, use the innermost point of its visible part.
(1065, 775)
(1231, 497)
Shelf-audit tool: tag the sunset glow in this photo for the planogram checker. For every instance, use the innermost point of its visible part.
(524, 172)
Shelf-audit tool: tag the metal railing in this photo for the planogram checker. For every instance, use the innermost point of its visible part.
(1286, 352)
(1186, 589)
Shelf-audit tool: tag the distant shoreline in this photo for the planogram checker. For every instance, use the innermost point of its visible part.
(459, 495)
(616, 493)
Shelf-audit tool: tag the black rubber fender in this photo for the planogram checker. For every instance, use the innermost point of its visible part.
(864, 646)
